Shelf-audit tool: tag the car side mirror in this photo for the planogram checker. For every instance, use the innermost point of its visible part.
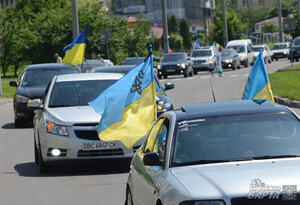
(169, 86)
(152, 159)
(35, 103)
(13, 83)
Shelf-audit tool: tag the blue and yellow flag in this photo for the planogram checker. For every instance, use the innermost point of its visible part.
(75, 51)
(128, 107)
(258, 86)
(217, 45)
(197, 44)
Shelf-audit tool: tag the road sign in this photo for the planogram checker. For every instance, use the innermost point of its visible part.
(289, 24)
(105, 36)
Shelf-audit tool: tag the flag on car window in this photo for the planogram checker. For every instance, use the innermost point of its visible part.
(128, 107)
(197, 44)
(75, 51)
(258, 86)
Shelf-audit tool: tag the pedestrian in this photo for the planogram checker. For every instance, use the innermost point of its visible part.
(219, 63)
(58, 58)
(99, 57)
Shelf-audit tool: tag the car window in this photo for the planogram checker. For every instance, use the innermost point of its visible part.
(257, 49)
(173, 58)
(132, 61)
(151, 139)
(202, 53)
(161, 139)
(238, 48)
(77, 93)
(41, 77)
(297, 41)
(236, 137)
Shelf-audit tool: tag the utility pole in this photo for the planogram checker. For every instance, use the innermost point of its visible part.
(165, 26)
(279, 21)
(74, 18)
(225, 31)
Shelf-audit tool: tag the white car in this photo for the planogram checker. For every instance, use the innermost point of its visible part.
(280, 50)
(65, 124)
(244, 47)
(265, 51)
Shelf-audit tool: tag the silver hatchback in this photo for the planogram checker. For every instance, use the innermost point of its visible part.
(65, 125)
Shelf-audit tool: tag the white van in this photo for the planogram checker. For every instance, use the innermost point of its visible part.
(244, 48)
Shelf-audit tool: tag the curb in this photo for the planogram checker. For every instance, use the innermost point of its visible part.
(287, 102)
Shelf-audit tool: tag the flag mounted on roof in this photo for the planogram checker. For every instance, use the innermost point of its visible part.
(197, 44)
(75, 51)
(128, 107)
(258, 86)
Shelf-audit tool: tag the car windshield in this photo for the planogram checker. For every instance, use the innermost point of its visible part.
(41, 77)
(226, 53)
(133, 61)
(257, 49)
(77, 93)
(280, 46)
(238, 48)
(297, 41)
(173, 58)
(232, 138)
(201, 53)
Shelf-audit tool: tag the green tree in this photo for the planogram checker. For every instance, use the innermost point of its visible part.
(176, 41)
(269, 28)
(172, 25)
(185, 33)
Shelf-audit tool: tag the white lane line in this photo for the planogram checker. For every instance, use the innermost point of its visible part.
(232, 76)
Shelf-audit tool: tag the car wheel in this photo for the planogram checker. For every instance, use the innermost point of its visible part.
(186, 75)
(246, 64)
(195, 72)
(128, 197)
(44, 168)
(18, 123)
(165, 76)
(36, 154)
(276, 59)
(233, 66)
(270, 61)
(159, 76)
(191, 74)
(297, 59)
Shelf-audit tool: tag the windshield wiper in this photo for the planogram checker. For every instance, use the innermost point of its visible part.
(202, 161)
(277, 156)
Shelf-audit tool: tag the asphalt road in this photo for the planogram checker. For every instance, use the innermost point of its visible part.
(100, 182)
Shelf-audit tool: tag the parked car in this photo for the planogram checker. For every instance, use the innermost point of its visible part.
(89, 64)
(211, 153)
(32, 84)
(163, 101)
(175, 64)
(65, 124)
(230, 59)
(204, 59)
(280, 50)
(265, 51)
(295, 50)
(244, 48)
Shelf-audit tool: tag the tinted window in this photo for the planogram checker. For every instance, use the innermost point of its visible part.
(77, 93)
(236, 137)
(134, 61)
(201, 53)
(41, 77)
(173, 58)
(280, 46)
(257, 49)
(297, 41)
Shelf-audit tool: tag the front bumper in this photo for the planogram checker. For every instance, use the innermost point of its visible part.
(172, 71)
(22, 112)
(280, 55)
(203, 66)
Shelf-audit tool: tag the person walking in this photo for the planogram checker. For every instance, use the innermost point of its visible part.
(219, 62)
(58, 58)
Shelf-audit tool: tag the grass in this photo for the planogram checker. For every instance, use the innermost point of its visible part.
(7, 90)
(286, 84)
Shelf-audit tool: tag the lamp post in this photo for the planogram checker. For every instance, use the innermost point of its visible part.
(74, 18)
(279, 21)
(165, 26)
(225, 31)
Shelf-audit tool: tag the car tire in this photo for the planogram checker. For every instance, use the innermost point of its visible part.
(269, 61)
(191, 74)
(276, 59)
(44, 168)
(165, 76)
(18, 123)
(36, 154)
(233, 66)
(195, 72)
(128, 197)
(297, 59)
(159, 76)
(186, 75)
(246, 64)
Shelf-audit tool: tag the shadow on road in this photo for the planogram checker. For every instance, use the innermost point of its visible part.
(12, 126)
(97, 167)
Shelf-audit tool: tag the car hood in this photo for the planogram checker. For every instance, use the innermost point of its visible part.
(280, 50)
(31, 92)
(201, 58)
(70, 115)
(172, 63)
(226, 180)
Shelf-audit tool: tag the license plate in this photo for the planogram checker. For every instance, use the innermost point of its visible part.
(170, 70)
(100, 145)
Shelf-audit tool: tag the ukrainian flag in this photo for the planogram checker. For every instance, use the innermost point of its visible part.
(75, 51)
(217, 45)
(258, 86)
(197, 46)
(128, 107)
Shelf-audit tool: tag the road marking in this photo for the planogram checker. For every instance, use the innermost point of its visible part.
(232, 76)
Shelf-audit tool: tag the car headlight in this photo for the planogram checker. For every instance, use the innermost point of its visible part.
(242, 58)
(284, 52)
(182, 65)
(209, 60)
(22, 99)
(57, 129)
(272, 54)
(228, 60)
(202, 203)
(158, 67)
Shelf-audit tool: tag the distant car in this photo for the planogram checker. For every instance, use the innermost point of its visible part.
(230, 59)
(32, 84)
(280, 50)
(211, 153)
(204, 59)
(244, 47)
(137, 60)
(295, 50)
(65, 124)
(265, 51)
(175, 64)
(163, 101)
(89, 64)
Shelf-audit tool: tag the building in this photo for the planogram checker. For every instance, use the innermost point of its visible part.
(260, 25)
(256, 4)
(6, 2)
(199, 13)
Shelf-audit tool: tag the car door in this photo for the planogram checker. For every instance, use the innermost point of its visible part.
(144, 178)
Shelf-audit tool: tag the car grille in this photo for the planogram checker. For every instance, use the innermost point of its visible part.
(199, 61)
(87, 134)
(264, 201)
(170, 67)
(99, 153)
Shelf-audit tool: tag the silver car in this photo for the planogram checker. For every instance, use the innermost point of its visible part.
(221, 153)
(65, 125)
(204, 59)
(264, 48)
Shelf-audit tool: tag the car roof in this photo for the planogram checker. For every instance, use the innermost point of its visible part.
(236, 107)
(114, 69)
(130, 58)
(49, 66)
(175, 53)
(280, 43)
(88, 76)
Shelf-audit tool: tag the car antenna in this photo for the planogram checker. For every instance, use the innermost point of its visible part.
(212, 90)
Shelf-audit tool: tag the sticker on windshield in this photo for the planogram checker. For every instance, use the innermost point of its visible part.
(189, 121)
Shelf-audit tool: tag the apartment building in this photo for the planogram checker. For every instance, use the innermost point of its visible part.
(256, 4)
